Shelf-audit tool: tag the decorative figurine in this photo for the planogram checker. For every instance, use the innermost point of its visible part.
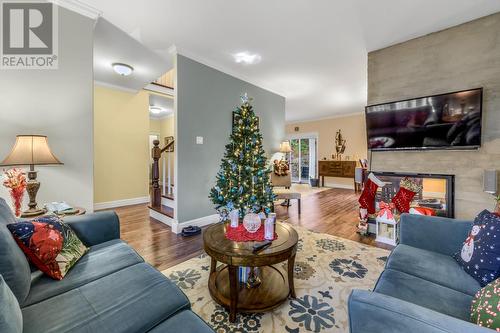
(340, 143)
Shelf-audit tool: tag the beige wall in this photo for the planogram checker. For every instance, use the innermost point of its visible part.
(121, 147)
(155, 126)
(353, 130)
(462, 57)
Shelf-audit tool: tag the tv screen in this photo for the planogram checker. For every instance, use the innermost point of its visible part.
(446, 121)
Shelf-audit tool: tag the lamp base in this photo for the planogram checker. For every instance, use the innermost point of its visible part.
(33, 212)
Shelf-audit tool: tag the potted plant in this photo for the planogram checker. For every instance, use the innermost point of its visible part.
(314, 182)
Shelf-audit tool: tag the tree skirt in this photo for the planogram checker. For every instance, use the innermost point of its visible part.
(327, 268)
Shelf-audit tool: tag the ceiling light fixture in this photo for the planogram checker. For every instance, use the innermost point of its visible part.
(122, 69)
(247, 58)
(155, 109)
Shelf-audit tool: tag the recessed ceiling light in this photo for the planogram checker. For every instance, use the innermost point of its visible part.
(247, 58)
(122, 69)
(155, 109)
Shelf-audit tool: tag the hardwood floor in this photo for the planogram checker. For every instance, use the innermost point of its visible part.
(333, 211)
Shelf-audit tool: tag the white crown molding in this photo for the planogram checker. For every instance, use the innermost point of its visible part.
(114, 86)
(168, 115)
(78, 7)
(222, 69)
(120, 203)
(307, 120)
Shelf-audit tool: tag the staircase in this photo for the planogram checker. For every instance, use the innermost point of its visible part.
(162, 203)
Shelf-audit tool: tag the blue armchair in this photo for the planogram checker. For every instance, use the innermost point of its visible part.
(422, 289)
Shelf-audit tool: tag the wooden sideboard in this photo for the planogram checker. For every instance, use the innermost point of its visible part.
(344, 169)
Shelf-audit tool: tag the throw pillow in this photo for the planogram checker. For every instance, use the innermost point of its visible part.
(49, 243)
(480, 253)
(485, 308)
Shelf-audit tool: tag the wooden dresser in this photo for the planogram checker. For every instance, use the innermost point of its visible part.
(344, 169)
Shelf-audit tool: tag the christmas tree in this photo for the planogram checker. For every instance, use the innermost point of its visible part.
(243, 179)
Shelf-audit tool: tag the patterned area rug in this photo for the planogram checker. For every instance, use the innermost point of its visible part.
(327, 268)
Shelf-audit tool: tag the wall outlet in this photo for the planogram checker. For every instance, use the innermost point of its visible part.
(199, 140)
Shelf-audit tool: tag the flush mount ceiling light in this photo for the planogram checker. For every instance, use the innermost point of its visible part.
(247, 58)
(122, 69)
(155, 109)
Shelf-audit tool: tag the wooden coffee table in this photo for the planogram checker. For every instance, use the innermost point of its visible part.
(223, 282)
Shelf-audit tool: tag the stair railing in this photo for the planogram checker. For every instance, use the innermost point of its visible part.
(156, 152)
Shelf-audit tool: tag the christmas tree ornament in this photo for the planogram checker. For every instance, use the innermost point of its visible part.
(252, 222)
(407, 190)
(367, 198)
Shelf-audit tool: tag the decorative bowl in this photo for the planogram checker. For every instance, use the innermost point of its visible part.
(252, 222)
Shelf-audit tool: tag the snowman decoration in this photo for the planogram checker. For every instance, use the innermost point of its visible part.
(468, 248)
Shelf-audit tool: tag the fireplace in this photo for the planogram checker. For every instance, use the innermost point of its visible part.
(438, 192)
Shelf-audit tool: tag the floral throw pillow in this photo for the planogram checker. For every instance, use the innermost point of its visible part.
(480, 253)
(51, 245)
(485, 308)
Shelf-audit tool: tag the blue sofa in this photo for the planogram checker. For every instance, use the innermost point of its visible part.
(422, 289)
(110, 289)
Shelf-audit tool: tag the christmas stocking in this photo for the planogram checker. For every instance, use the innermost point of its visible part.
(407, 190)
(367, 198)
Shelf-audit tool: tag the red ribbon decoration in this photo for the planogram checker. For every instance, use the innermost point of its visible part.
(386, 208)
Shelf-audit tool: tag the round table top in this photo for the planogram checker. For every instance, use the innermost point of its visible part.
(241, 253)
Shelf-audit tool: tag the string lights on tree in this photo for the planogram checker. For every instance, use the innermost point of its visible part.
(243, 179)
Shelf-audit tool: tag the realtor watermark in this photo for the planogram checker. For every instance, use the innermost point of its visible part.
(29, 35)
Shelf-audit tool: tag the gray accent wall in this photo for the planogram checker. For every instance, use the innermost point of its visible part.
(56, 103)
(205, 100)
(462, 57)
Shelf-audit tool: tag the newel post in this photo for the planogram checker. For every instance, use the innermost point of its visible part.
(155, 175)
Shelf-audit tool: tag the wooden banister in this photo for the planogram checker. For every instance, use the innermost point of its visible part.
(156, 152)
(155, 175)
(170, 144)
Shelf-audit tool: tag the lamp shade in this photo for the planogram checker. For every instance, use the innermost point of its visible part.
(285, 147)
(30, 150)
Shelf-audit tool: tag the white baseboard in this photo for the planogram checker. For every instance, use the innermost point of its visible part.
(199, 222)
(164, 219)
(168, 202)
(336, 185)
(120, 203)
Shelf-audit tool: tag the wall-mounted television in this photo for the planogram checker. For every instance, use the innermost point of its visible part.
(445, 121)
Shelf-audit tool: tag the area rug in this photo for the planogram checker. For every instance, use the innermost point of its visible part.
(327, 268)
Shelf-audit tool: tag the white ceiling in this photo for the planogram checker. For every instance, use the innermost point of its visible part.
(314, 52)
(112, 45)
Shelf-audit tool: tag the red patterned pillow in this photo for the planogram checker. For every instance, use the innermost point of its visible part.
(50, 245)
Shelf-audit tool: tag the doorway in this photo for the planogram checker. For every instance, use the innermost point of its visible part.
(303, 161)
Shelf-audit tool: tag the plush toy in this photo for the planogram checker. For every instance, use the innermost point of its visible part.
(367, 198)
(407, 190)
(280, 167)
(363, 221)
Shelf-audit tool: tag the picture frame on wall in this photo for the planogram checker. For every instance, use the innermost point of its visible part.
(236, 118)
(169, 139)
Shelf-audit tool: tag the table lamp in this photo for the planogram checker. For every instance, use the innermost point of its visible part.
(31, 150)
(285, 147)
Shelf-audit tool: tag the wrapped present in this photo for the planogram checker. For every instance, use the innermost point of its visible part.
(386, 213)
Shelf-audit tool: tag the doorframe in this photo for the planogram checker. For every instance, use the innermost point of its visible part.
(306, 135)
